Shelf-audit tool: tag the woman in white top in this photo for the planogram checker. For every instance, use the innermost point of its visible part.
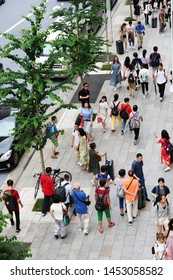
(103, 112)
(118, 182)
(145, 59)
(159, 246)
(143, 76)
(147, 13)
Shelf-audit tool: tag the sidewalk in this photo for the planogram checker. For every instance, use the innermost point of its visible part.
(120, 242)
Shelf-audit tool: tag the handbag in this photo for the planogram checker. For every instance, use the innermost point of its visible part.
(99, 157)
(66, 218)
(149, 13)
(86, 202)
(99, 119)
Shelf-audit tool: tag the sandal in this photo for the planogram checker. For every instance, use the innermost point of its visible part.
(111, 224)
(53, 156)
(100, 230)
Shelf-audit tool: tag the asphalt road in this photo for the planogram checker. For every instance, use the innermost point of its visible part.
(11, 21)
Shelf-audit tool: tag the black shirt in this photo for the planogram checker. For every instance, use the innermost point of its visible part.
(84, 92)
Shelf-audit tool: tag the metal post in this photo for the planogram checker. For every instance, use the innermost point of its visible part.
(108, 8)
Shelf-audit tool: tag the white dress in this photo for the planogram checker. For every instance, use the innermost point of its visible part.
(103, 110)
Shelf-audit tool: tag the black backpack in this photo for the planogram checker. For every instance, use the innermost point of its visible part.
(115, 111)
(169, 147)
(123, 113)
(10, 202)
(154, 59)
(61, 192)
(131, 78)
(100, 205)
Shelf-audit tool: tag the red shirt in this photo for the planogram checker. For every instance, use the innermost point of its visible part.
(100, 193)
(15, 195)
(47, 184)
(127, 107)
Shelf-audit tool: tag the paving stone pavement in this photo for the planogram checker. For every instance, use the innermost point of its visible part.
(120, 242)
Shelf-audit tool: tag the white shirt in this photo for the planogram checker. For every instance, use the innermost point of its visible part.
(68, 189)
(76, 137)
(57, 210)
(161, 76)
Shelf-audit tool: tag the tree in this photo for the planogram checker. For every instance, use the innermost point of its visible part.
(10, 247)
(28, 88)
(78, 25)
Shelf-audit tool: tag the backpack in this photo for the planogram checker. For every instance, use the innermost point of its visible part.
(144, 78)
(134, 122)
(115, 111)
(100, 205)
(61, 192)
(47, 129)
(137, 65)
(154, 59)
(131, 78)
(10, 202)
(123, 113)
(169, 147)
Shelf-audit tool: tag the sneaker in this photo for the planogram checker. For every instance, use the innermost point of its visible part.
(130, 223)
(138, 48)
(115, 88)
(18, 230)
(147, 199)
(112, 131)
(167, 169)
(62, 237)
(111, 224)
(126, 50)
(144, 96)
(161, 99)
(78, 163)
(80, 229)
(134, 218)
(43, 214)
(121, 216)
(122, 132)
(86, 233)
(56, 236)
(135, 142)
(12, 223)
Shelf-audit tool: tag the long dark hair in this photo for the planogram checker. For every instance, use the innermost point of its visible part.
(144, 53)
(82, 131)
(127, 61)
(165, 134)
(114, 59)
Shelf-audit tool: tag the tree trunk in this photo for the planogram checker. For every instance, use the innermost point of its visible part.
(106, 30)
(81, 79)
(131, 14)
(42, 161)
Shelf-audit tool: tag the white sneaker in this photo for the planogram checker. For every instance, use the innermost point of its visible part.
(167, 169)
(144, 96)
(126, 50)
(135, 142)
(78, 163)
(161, 99)
(115, 88)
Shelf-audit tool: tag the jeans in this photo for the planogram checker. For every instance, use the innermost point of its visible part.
(124, 124)
(136, 132)
(132, 209)
(142, 182)
(83, 222)
(121, 202)
(161, 89)
(60, 228)
(17, 216)
(144, 86)
(46, 203)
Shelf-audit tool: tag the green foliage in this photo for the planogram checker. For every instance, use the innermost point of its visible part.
(129, 19)
(78, 26)
(106, 67)
(29, 87)
(128, 2)
(39, 204)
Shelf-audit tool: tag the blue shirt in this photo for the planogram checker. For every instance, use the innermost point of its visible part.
(80, 206)
(140, 28)
(137, 168)
(87, 113)
(53, 129)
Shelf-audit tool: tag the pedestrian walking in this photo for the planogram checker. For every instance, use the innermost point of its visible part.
(87, 114)
(125, 67)
(160, 189)
(160, 2)
(136, 61)
(162, 21)
(103, 112)
(103, 193)
(135, 120)
(115, 108)
(12, 201)
(162, 214)
(116, 77)
(54, 136)
(159, 246)
(48, 189)
(160, 77)
(81, 208)
(84, 94)
(123, 35)
(131, 34)
(140, 32)
(154, 59)
(125, 111)
(56, 211)
(83, 149)
(103, 174)
(118, 182)
(131, 186)
(137, 167)
(147, 13)
(144, 78)
(68, 189)
(131, 76)
(165, 156)
(145, 59)
(169, 242)
(137, 11)
(94, 159)
(75, 141)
